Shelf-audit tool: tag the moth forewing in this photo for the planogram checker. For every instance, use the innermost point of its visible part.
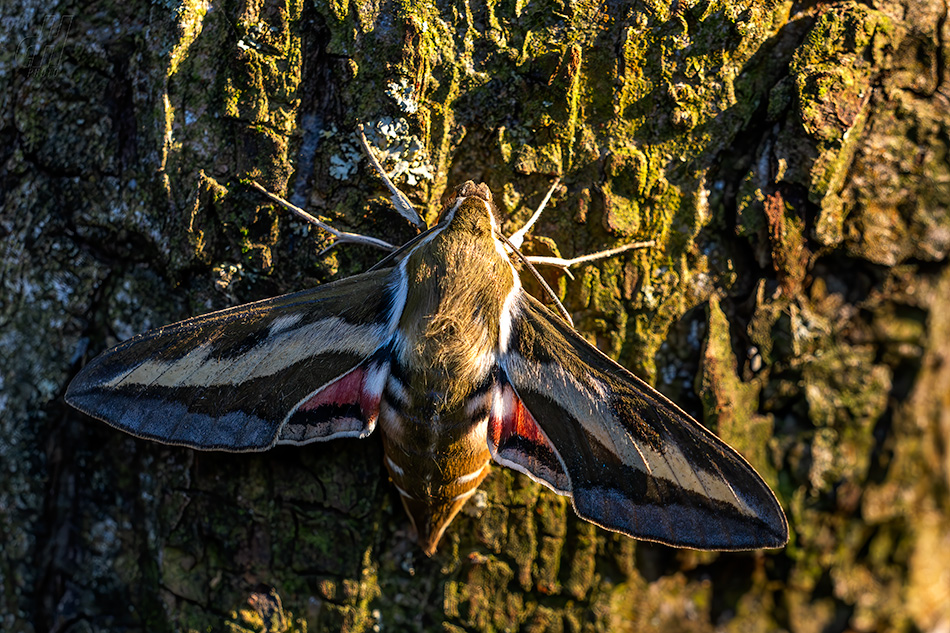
(637, 464)
(227, 380)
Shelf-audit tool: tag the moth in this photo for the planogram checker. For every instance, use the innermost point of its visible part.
(440, 350)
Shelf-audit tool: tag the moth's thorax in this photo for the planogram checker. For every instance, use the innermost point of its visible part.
(456, 286)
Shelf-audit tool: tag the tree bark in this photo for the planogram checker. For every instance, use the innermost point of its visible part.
(789, 159)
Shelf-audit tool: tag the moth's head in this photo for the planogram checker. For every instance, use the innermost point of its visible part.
(469, 207)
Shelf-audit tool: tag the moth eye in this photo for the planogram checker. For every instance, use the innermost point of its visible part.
(483, 192)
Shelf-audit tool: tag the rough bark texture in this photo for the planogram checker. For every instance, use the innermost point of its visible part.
(789, 159)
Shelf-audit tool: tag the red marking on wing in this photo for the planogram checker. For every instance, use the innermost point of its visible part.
(347, 389)
(350, 389)
(517, 441)
(515, 421)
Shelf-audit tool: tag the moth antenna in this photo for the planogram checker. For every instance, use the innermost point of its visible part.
(341, 236)
(534, 271)
(517, 238)
(399, 200)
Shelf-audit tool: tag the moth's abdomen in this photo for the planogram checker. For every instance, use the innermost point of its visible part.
(436, 459)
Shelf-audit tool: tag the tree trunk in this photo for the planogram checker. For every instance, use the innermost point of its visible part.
(789, 159)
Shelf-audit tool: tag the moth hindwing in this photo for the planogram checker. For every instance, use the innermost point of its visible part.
(444, 351)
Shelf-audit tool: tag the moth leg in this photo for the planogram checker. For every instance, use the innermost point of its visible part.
(399, 199)
(565, 264)
(517, 238)
(342, 237)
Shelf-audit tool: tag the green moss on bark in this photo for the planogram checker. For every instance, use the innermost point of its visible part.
(790, 161)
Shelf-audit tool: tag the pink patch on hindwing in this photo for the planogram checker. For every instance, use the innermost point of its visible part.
(347, 407)
(516, 440)
(346, 390)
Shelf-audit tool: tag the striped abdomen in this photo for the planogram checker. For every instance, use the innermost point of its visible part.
(436, 458)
